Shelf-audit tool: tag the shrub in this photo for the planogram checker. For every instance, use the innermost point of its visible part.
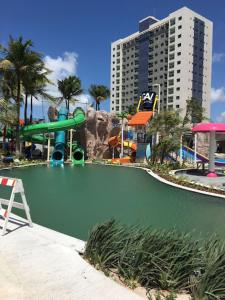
(159, 259)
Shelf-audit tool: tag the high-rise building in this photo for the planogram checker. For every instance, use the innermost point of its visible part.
(172, 57)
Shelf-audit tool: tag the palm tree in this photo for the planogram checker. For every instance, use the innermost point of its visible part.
(18, 59)
(34, 85)
(99, 93)
(122, 116)
(169, 126)
(69, 87)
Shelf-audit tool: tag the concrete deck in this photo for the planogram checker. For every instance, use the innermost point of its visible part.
(218, 182)
(39, 263)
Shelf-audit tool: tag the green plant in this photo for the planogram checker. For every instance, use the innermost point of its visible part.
(159, 259)
(99, 93)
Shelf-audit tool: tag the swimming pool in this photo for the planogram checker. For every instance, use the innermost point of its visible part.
(72, 200)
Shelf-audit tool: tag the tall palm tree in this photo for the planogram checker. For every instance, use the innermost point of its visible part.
(122, 116)
(69, 87)
(99, 93)
(35, 83)
(18, 58)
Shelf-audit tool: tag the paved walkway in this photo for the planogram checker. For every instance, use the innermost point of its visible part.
(39, 263)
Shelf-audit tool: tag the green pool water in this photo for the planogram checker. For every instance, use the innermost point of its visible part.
(71, 200)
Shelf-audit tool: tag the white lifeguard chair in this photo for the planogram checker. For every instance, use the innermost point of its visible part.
(17, 187)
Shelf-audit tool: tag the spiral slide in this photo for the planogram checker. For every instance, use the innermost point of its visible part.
(59, 127)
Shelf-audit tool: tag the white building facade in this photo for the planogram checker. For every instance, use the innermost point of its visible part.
(173, 56)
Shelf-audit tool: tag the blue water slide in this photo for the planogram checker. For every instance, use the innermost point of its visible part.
(57, 158)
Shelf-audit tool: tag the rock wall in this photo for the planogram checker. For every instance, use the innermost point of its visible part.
(93, 136)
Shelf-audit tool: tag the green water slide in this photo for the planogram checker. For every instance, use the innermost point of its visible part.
(78, 119)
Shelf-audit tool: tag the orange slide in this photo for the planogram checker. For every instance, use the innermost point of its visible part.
(115, 141)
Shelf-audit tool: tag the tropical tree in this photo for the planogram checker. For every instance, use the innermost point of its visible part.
(122, 116)
(69, 87)
(18, 59)
(168, 124)
(194, 112)
(35, 84)
(132, 109)
(99, 93)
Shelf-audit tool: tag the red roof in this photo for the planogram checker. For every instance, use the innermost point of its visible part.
(140, 118)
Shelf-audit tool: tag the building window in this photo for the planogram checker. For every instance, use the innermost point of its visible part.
(177, 106)
(172, 39)
(180, 26)
(178, 71)
(171, 82)
(178, 88)
(172, 48)
(178, 79)
(179, 62)
(178, 53)
(170, 91)
(177, 97)
(172, 30)
(179, 36)
(171, 65)
(172, 56)
(179, 45)
(170, 99)
(172, 22)
(180, 18)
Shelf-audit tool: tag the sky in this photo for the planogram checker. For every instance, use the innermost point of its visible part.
(75, 36)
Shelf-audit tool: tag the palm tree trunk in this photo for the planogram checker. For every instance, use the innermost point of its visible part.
(25, 110)
(31, 109)
(68, 105)
(18, 117)
(96, 105)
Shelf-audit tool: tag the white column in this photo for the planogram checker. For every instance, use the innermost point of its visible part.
(212, 146)
(71, 142)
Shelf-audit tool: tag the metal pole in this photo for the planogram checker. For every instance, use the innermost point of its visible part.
(195, 153)
(71, 141)
(181, 149)
(159, 87)
(49, 145)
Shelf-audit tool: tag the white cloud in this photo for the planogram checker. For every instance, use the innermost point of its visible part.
(61, 67)
(221, 117)
(218, 95)
(218, 57)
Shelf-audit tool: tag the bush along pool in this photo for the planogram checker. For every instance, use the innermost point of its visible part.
(159, 259)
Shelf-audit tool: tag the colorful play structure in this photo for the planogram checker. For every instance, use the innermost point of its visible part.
(59, 127)
(41, 134)
(136, 146)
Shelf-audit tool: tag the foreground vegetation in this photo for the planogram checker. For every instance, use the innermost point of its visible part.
(159, 259)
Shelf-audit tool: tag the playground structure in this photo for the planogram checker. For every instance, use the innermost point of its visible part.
(59, 127)
(137, 141)
(41, 134)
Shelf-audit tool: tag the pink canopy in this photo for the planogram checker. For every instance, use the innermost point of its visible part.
(207, 127)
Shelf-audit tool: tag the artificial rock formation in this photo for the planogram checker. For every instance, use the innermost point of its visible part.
(93, 136)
